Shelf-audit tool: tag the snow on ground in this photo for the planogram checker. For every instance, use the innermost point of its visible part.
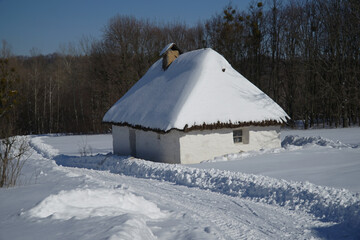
(63, 195)
(326, 157)
(99, 202)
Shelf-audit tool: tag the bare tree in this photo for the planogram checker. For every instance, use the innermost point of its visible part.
(303, 54)
(12, 149)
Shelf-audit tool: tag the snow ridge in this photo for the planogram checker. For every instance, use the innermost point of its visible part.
(313, 141)
(329, 204)
(42, 148)
(85, 203)
(289, 143)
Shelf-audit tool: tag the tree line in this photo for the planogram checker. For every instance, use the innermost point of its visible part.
(303, 53)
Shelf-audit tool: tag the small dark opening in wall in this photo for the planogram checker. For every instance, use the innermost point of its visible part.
(238, 136)
(223, 69)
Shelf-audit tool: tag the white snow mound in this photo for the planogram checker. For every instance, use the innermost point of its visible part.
(85, 203)
(313, 141)
(42, 148)
(329, 204)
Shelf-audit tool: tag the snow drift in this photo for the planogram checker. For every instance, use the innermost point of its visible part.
(313, 141)
(329, 204)
(43, 149)
(84, 203)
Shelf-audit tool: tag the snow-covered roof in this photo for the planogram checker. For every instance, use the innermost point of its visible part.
(166, 48)
(199, 88)
(170, 46)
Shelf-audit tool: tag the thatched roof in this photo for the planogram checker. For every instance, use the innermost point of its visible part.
(199, 90)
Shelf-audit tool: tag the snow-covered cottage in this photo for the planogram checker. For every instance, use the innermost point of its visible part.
(193, 108)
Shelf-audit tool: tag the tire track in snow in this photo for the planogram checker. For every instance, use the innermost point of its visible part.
(222, 216)
(234, 217)
(329, 204)
(248, 186)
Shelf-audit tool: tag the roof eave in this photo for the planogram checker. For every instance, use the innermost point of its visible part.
(204, 126)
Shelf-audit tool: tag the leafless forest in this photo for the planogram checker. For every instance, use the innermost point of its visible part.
(303, 54)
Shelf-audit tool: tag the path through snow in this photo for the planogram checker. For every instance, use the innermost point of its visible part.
(136, 199)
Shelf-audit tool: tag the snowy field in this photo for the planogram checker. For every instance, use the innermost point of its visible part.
(327, 157)
(308, 189)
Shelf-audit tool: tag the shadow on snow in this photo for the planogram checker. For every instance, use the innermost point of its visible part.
(328, 204)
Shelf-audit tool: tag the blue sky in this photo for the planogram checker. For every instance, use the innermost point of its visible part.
(47, 24)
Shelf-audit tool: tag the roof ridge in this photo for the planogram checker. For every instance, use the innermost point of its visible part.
(194, 87)
(189, 89)
(200, 87)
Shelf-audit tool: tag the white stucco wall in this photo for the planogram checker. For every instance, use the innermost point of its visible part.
(149, 145)
(197, 146)
(158, 147)
(121, 143)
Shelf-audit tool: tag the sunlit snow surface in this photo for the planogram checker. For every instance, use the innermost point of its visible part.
(198, 87)
(328, 157)
(63, 195)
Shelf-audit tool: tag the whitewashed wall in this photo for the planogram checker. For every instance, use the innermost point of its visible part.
(149, 145)
(194, 146)
(158, 147)
(121, 143)
(197, 146)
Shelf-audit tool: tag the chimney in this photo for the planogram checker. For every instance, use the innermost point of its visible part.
(169, 54)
